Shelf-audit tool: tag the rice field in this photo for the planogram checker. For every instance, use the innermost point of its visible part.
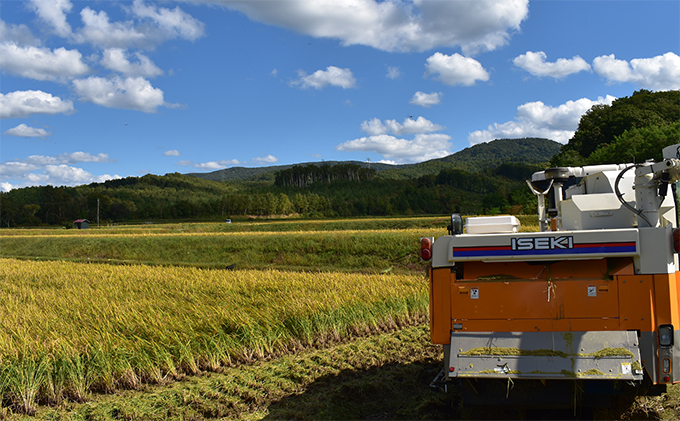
(104, 310)
(71, 329)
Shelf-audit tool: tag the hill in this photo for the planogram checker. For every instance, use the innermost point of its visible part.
(481, 157)
(473, 159)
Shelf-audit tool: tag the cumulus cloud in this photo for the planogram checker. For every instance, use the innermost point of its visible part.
(661, 73)
(394, 25)
(41, 63)
(153, 26)
(333, 76)
(23, 130)
(53, 12)
(25, 103)
(16, 169)
(72, 176)
(98, 30)
(535, 119)
(426, 100)
(116, 59)
(422, 148)
(455, 69)
(534, 63)
(210, 166)
(393, 72)
(174, 23)
(409, 126)
(133, 93)
(383, 139)
(173, 152)
(54, 170)
(266, 159)
(18, 34)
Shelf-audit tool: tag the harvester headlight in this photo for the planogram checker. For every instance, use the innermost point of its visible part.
(666, 335)
(456, 226)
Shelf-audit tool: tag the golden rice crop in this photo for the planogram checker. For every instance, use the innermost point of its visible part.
(69, 329)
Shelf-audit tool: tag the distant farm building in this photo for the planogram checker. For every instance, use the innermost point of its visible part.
(82, 224)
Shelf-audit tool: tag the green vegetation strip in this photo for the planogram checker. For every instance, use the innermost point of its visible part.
(342, 250)
(70, 329)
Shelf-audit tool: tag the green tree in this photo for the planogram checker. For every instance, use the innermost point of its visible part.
(602, 124)
(637, 145)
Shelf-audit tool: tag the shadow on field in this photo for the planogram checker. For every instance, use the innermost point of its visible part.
(392, 391)
(402, 391)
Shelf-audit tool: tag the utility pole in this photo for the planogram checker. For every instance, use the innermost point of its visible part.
(97, 213)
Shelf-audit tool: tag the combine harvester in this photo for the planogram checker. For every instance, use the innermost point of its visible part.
(580, 312)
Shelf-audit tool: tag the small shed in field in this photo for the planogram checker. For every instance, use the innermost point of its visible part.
(82, 224)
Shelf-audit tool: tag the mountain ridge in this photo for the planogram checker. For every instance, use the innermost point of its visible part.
(472, 159)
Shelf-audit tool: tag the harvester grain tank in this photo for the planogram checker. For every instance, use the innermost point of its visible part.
(584, 309)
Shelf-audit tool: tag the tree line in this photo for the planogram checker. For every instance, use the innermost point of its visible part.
(306, 175)
(176, 196)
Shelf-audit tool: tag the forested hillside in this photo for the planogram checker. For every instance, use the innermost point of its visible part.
(472, 159)
(631, 129)
(481, 157)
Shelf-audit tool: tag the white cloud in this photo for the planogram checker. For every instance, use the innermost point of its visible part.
(534, 63)
(18, 34)
(72, 176)
(383, 140)
(98, 30)
(53, 12)
(393, 72)
(423, 147)
(661, 73)
(23, 130)
(409, 126)
(394, 25)
(67, 158)
(173, 152)
(116, 59)
(13, 169)
(455, 69)
(535, 119)
(41, 63)
(134, 93)
(210, 166)
(53, 170)
(153, 26)
(25, 103)
(334, 76)
(266, 159)
(426, 100)
(175, 23)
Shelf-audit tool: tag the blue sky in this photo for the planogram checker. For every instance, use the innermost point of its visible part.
(95, 90)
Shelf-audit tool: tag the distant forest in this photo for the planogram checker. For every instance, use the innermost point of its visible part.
(177, 196)
(483, 179)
